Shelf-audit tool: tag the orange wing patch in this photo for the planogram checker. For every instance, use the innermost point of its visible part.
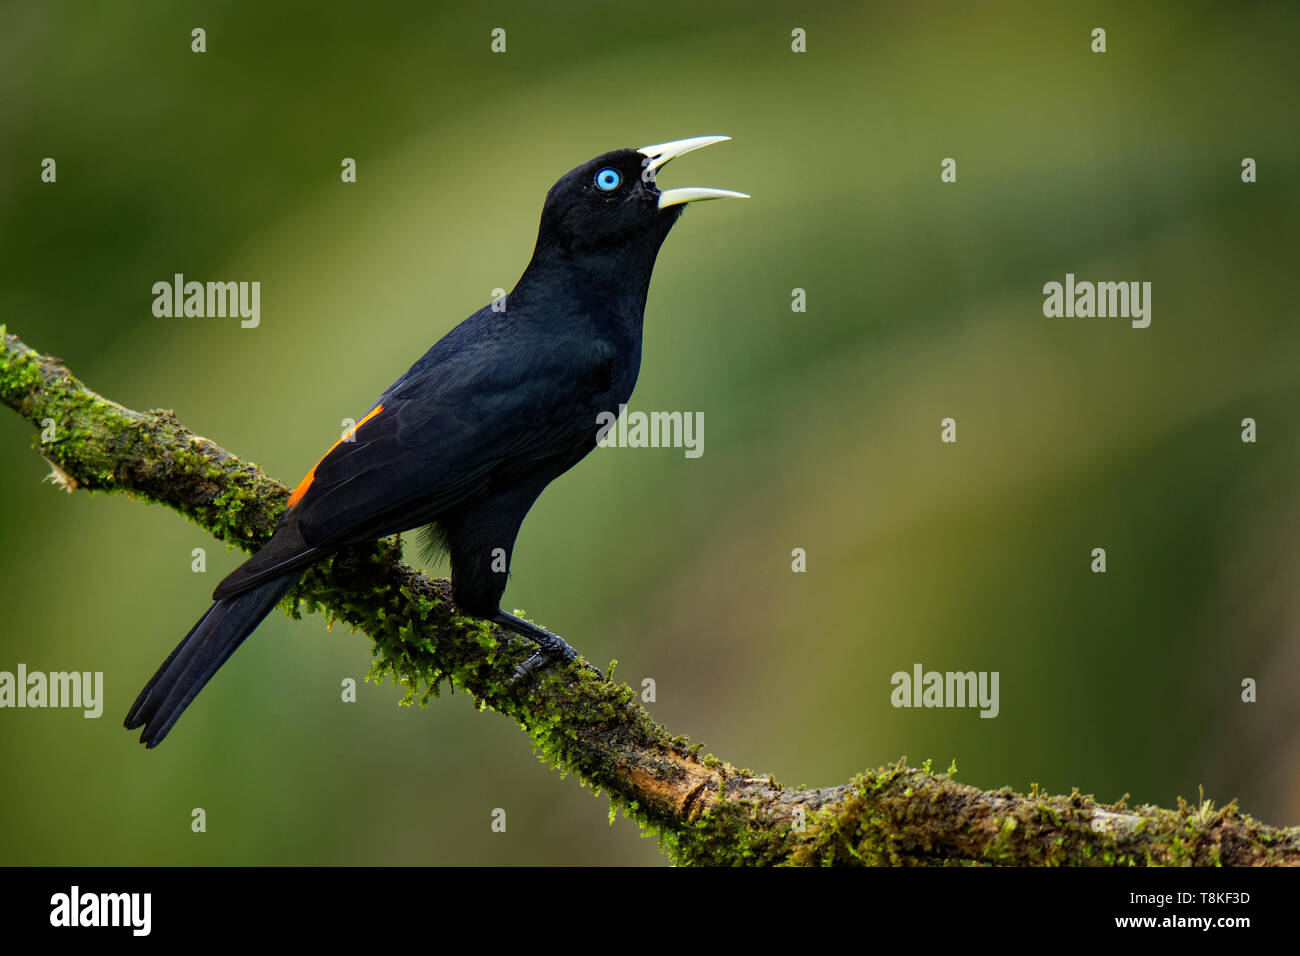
(311, 475)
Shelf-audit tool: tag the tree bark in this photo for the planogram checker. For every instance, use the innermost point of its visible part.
(705, 810)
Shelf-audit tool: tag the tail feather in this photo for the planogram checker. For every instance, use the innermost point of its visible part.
(205, 648)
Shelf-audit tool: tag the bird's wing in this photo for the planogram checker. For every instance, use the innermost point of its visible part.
(445, 434)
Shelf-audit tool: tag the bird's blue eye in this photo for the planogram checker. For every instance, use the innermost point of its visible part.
(608, 179)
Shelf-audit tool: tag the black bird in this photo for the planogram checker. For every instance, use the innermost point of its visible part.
(466, 440)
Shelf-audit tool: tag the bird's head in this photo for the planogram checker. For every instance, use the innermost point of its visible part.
(613, 201)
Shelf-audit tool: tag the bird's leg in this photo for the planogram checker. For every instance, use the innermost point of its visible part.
(551, 647)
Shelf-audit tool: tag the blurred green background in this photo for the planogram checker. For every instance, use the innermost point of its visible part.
(822, 428)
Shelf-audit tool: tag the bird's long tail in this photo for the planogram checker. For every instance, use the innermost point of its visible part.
(205, 648)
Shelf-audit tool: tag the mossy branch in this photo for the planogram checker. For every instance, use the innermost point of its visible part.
(705, 810)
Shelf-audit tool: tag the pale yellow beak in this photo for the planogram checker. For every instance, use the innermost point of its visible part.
(660, 154)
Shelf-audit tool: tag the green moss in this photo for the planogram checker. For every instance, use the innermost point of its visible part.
(728, 834)
(20, 372)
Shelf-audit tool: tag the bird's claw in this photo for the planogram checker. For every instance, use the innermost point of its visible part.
(529, 668)
(551, 648)
(526, 671)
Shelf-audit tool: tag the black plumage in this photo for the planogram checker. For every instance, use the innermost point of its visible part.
(468, 438)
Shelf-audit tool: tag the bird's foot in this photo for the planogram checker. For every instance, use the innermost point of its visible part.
(526, 671)
(551, 647)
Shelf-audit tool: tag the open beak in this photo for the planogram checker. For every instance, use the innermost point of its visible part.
(659, 155)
